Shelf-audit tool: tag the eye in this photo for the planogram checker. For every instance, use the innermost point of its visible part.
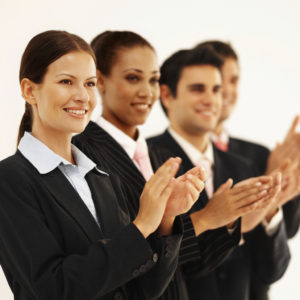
(216, 89)
(66, 81)
(91, 83)
(132, 78)
(154, 80)
(198, 88)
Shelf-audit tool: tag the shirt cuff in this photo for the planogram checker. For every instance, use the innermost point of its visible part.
(273, 225)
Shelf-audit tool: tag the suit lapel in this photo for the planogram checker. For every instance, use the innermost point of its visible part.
(120, 155)
(105, 202)
(67, 197)
(186, 165)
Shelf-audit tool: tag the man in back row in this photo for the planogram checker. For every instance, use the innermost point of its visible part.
(264, 159)
(191, 86)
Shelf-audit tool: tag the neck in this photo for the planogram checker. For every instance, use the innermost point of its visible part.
(219, 128)
(130, 130)
(58, 142)
(199, 140)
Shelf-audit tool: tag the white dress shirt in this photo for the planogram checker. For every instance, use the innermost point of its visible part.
(126, 142)
(45, 160)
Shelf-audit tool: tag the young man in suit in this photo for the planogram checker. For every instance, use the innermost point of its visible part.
(190, 85)
(264, 159)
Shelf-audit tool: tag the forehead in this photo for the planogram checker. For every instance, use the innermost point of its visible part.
(74, 63)
(200, 74)
(140, 57)
(230, 67)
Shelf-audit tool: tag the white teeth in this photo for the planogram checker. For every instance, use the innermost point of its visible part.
(141, 106)
(76, 111)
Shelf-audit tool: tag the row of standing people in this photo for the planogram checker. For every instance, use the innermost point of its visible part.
(92, 221)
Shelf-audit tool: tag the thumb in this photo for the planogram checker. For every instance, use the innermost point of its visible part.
(293, 126)
(224, 187)
(285, 165)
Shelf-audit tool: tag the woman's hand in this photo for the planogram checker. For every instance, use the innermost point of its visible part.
(186, 191)
(155, 196)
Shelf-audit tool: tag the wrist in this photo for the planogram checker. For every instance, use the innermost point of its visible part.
(199, 220)
(143, 228)
(271, 213)
(166, 226)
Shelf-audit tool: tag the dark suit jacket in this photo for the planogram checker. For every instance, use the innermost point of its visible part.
(262, 256)
(259, 155)
(51, 247)
(108, 154)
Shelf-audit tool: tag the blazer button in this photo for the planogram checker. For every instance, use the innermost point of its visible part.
(118, 296)
(155, 257)
(143, 268)
(136, 273)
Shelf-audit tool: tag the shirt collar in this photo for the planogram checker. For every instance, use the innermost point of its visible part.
(223, 137)
(191, 151)
(126, 142)
(45, 160)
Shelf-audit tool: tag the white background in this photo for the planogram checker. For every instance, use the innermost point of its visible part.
(264, 33)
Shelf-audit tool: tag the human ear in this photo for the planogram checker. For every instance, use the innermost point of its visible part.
(166, 96)
(100, 82)
(27, 88)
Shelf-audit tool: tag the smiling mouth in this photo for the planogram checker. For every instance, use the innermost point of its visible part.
(78, 112)
(141, 106)
(205, 112)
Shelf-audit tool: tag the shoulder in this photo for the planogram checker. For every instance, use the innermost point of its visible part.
(18, 177)
(246, 145)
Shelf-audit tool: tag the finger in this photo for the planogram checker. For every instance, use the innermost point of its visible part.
(166, 192)
(240, 191)
(158, 182)
(253, 181)
(293, 127)
(195, 182)
(224, 187)
(199, 172)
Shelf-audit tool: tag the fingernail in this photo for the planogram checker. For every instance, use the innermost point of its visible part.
(258, 183)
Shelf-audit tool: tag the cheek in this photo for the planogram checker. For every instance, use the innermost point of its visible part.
(155, 93)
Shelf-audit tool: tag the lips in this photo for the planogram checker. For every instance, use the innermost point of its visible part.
(141, 106)
(76, 111)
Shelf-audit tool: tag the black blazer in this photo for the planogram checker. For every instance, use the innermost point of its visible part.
(51, 247)
(259, 155)
(265, 257)
(108, 154)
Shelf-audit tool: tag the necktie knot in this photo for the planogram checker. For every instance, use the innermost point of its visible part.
(221, 145)
(209, 186)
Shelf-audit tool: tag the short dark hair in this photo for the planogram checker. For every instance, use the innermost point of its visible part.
(108, 43)
(223, 49)
(42, 50)
(172, 67)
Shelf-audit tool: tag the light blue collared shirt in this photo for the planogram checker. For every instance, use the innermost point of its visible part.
(45, 160)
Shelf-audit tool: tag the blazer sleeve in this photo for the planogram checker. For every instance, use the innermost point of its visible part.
(199, 255)
(152, 284)
(291, 213)
(270, 254)
(31, 252)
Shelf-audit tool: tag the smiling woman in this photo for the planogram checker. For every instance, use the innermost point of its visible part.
(65, 228)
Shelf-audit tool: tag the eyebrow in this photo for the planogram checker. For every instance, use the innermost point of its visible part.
(140, 71)
(72, 76)
(201, 85)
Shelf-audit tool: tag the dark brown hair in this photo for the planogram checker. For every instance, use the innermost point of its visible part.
(41, 51)
(108, 43)
(223, 49)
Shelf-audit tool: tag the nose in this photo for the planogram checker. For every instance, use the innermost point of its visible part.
(145, 91)
(81, 94)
